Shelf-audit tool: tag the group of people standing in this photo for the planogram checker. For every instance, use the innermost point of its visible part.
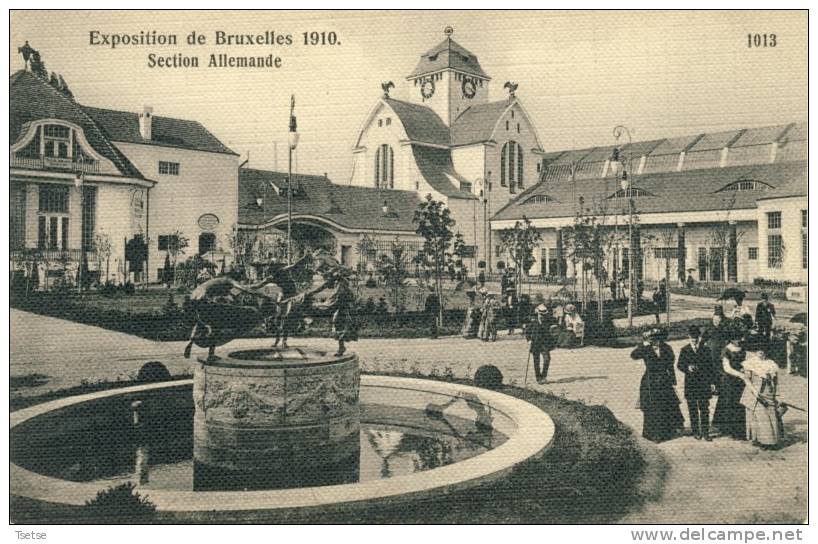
(481, 316)
(714, 362)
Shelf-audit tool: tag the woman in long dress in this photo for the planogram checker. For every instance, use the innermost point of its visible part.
(657, 398)
(488, 325)
(730, 415)
(760, 401)
(470, 323)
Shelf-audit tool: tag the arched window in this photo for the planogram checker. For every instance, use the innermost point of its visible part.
(539, 199)
(745, 185)
(511, 166)
(384, 167)
(633, 192)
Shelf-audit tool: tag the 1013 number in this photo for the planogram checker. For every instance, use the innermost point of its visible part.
(761, 40)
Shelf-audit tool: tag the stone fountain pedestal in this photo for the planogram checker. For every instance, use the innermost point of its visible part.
(276, 418)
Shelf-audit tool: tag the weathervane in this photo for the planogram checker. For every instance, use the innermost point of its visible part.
(448, 31)
(512, 88)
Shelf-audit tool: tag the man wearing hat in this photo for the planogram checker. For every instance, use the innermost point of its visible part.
(697, 365)
(765, 317)
(538, 334)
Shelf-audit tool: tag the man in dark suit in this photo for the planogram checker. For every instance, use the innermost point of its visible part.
(714, 340)
(696, 363)
(538, 333)
(765, 316)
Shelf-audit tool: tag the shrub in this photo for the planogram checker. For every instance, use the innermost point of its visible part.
(120, 504)
(107, 289)
(153, 371)
(488, 377)
(170, 308)
(129, 288)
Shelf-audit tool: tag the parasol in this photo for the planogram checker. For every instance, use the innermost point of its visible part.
(732, 293)
(800, 317)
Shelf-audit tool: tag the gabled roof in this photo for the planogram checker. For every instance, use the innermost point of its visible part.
(674, 146)
(349, 207)
(476, 123)
(797, 132)
(31, 99)
(448, 54)
(123, 126)
(422, 124)
(686, 191)
(436, 167)
(716, 140)
(760, 136)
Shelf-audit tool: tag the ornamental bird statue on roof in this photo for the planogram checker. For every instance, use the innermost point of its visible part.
(512, 88)
(386, 86)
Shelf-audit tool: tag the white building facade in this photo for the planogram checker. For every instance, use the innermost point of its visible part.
(82, 176)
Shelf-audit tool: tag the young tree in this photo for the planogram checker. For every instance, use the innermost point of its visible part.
(519, 243)
(667, 253)
(434, 223)
(177, 243)
(102, 243)
(393, 271)
(588, 241)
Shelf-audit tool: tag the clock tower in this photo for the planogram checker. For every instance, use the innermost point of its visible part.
(448, 79)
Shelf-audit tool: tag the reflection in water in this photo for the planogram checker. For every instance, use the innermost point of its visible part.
(103, 442)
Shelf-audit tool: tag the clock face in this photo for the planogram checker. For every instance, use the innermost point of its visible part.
(469, 89)
(427, 89)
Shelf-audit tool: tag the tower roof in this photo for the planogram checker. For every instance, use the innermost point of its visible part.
(448, 54)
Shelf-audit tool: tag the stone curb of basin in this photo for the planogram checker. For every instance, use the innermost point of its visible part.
(532, 437)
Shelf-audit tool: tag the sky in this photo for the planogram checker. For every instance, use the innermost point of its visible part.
(661, 74)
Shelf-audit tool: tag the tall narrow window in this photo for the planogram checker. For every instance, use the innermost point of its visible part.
(384, 167)
(702, 264)
(89, 214)
(42, 236)
(511, 166)
(378, 167)
(775, 250)
(64, 233)
(17, 214)
(775, 241)
(519, 166)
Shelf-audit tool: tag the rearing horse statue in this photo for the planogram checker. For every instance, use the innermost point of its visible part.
(225, 309)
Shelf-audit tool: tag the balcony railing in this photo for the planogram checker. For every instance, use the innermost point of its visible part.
(55, 163)
(50, 255)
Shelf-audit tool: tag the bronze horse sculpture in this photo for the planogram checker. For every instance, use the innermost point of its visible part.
(225, 309)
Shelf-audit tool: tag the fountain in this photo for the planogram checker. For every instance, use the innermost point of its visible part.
(275, 418)
(272, 429)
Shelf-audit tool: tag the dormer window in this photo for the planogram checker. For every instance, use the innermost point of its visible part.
(745, 185)
(633, 192)
(539, 199)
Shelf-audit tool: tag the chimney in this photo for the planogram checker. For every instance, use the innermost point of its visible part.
(146, 122)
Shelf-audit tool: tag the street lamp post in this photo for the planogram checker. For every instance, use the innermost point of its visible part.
(79, 181)
(293, 143)
(616, 165)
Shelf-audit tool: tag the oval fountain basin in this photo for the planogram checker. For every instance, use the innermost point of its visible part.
(417, 437)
